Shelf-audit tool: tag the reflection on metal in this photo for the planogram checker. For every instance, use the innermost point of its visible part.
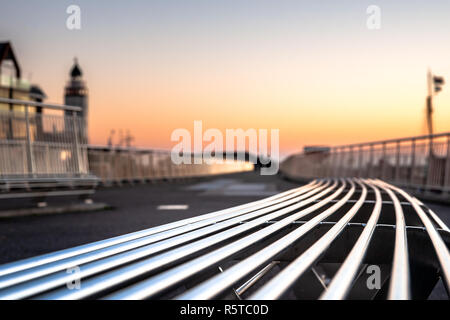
(250, 282)
(419, 163)
(266, 249)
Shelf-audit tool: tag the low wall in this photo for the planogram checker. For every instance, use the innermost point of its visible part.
(116, 165)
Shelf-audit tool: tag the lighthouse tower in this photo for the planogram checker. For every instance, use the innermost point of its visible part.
(76, 94)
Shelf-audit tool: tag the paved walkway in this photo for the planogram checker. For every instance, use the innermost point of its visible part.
(133, 208)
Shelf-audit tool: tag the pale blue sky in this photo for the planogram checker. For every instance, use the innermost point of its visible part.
(192, 58)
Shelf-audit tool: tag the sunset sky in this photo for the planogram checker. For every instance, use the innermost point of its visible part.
(309, 68)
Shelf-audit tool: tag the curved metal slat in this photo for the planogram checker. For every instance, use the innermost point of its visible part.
(147, 263)
(433, 215)
(55, 280)
(28, 263)
(116, 277)
(399, 287)
(133, 250)
(342, 281)
(440, 248)
(281, 282)
(438, 221)
(161, 282)
(39, 271)
(217, 284)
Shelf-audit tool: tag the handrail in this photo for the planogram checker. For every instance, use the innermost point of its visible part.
(420, 163)
(370, 143)
(40, 104)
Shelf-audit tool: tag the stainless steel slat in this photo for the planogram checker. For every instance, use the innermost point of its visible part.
(96, 284)
(219, 283)
(155, 261)
(166, 279)
(20, 265)
(342, 281)
(439, 246)
(41, 284)
(280, 283)
(399, 288)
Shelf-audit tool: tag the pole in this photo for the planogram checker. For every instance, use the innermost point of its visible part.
(413, 161)
(447, 167)
(30, 156)
(430, 110)
(76, 144)
(397, 163)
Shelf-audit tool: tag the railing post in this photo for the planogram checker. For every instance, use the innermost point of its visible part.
(141, 166)
(76, 142)
(170, 175)
(129, 172)
(116, 167)
(337, 165)
(101, 164)
(30, 156)
(334, 162)
(360, 161)
(383, 162)
(331, 159)
(429, 171)
(152, 171)
(369, 167)
(397, 163)
(413, 161)
(447, 168)
(47, 159)
(342, 163)
(350, 163)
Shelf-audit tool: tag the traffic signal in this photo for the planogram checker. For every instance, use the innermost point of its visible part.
(438, 83)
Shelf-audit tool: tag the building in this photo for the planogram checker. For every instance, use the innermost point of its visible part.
(42, 128)
(38, 138)
(13, 86)
(76, 94)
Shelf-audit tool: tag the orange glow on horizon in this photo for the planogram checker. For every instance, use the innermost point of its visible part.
(312, 70)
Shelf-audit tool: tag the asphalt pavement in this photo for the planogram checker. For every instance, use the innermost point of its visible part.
(132, 208)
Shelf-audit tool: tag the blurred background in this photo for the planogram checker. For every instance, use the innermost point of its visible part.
(311, 69)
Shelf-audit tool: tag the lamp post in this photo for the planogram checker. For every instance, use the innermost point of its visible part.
(435, 84)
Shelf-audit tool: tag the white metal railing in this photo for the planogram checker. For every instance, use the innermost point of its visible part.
(115, 165)
(36, 144)
(416, 162)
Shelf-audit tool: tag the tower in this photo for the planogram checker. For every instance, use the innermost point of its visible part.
(76, 94)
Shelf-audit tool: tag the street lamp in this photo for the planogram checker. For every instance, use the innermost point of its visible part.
(435, 84)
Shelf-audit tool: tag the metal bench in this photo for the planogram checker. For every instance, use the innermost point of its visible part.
(329, 239)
